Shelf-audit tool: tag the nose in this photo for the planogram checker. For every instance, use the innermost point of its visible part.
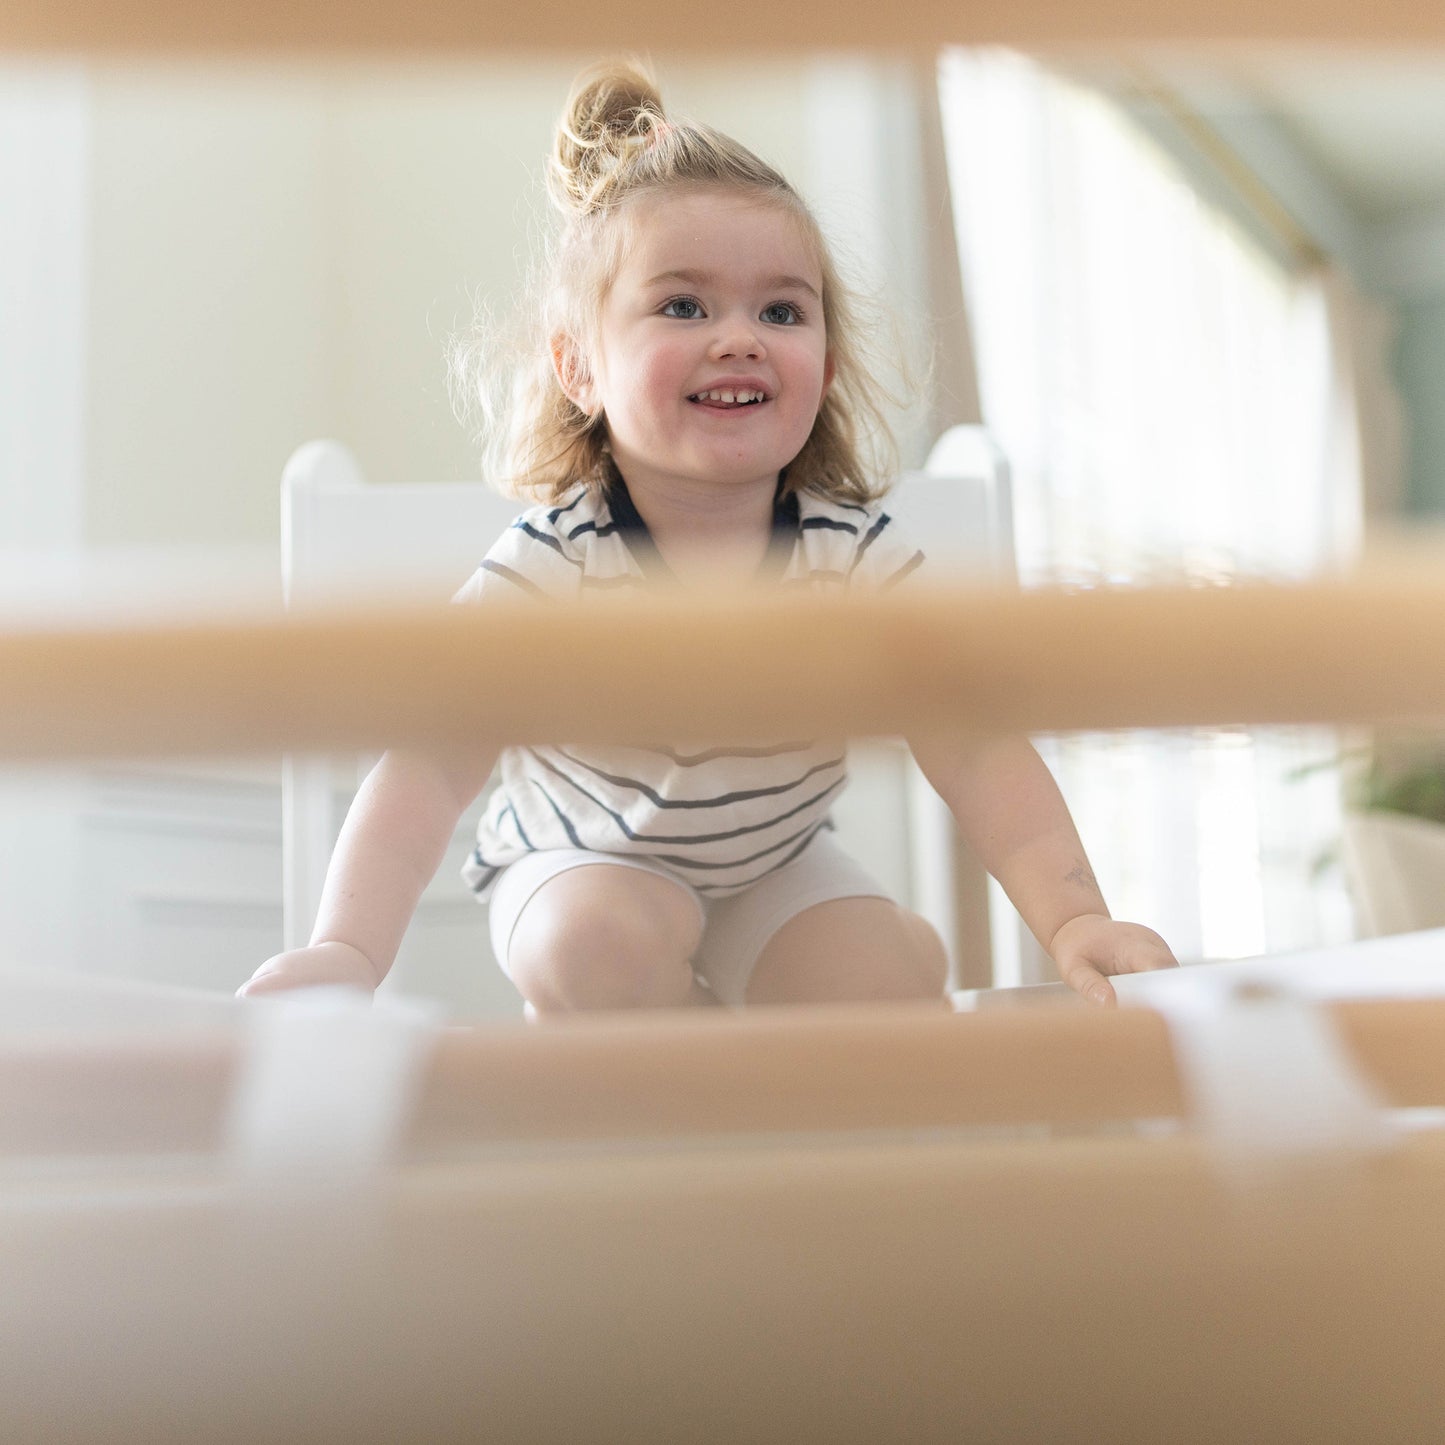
(737, 336)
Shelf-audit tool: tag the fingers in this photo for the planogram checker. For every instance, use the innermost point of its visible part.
(1098, 948)
(266, 979)
(1145, 952)
(1087, 981)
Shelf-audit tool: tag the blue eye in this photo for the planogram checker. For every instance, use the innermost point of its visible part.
(782, 313)
(684, 308)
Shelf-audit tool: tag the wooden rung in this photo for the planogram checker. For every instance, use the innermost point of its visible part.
(670, 1076)
(1081, 1290)
(447, 26)
(731, 667)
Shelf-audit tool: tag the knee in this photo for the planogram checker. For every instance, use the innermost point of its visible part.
(621, 953)
(906, 960)
(853, 950)
(923, 958)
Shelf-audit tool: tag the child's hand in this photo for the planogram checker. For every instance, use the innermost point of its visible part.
(1090, 946)
(321, 964)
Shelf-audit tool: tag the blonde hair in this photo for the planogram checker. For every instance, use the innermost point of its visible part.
(614, 144)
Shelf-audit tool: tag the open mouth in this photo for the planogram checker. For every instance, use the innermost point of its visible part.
(726, 398)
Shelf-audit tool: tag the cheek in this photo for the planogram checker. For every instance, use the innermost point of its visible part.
(810, 373)
(663, 369)
(807, 359)
(644, 375)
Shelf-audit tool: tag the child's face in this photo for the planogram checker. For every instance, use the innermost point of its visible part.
(717, 293)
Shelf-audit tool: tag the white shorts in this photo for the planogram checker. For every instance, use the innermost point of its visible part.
(736, 928)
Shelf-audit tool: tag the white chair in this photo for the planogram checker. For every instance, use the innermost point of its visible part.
(339, 533)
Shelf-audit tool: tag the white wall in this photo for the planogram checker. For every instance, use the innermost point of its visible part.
(207, 348)
(280, 253)
(44, 186)
(44, 201)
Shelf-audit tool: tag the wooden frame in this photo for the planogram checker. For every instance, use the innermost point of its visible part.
(921, 1289)
(445, 26)
(820, 1197)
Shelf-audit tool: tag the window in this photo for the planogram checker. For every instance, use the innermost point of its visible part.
(1162, 388)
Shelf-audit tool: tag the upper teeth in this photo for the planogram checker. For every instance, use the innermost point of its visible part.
(728, 396)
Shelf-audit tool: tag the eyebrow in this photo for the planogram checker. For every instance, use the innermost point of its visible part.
(700, 278)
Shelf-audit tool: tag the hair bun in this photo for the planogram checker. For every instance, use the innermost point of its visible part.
(613, 109)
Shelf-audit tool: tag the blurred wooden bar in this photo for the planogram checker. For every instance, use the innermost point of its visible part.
(733, 667)
(815, 1072)
(932, 1293)
(447, 26)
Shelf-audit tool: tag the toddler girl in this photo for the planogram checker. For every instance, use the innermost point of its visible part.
(696, 412)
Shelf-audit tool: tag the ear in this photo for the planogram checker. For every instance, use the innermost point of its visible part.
(828, 370)
(574, 376)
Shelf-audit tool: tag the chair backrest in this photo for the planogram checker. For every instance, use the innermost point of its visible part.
(340, 533)
(960, 506)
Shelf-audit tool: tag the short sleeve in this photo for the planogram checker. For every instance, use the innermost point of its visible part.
(529, 561)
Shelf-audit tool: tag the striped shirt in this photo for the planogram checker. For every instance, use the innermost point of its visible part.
(720, 818)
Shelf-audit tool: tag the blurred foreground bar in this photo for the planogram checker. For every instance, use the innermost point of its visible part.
(449, 25)
(737, 667)
(1112, 1290)
(693, 1076)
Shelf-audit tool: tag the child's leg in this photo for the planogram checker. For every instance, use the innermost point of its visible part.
(603, 936)
(819, 928)
(850, 949)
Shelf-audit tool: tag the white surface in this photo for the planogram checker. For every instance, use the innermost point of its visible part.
(1409, 965)
(1267, 1080)
(326, 1087)
(56, 1002)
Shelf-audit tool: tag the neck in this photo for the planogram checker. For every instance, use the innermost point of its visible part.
(707, 534)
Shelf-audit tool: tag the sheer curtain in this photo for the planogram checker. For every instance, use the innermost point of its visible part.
(1165, 394)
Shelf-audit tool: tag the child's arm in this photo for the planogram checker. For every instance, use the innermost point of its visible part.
(394, 838)
(1010, 810)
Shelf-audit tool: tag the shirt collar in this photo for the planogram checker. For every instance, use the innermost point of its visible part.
(785, 528)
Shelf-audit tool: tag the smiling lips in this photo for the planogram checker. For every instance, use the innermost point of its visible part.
(727, 397)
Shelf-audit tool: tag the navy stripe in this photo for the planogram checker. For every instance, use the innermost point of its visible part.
(562, 818)
(782, 538)
(606, 530)
(690, 760)
(744, 795)
(478, 885)
(773, 868)
(829, 524)
(628, 521)
(480, 859)
(697, 839)
(545, 538)
(911, 565)
(498, 569)
(511, 811)
(883, 520)
(692, 865)
(562, 511)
